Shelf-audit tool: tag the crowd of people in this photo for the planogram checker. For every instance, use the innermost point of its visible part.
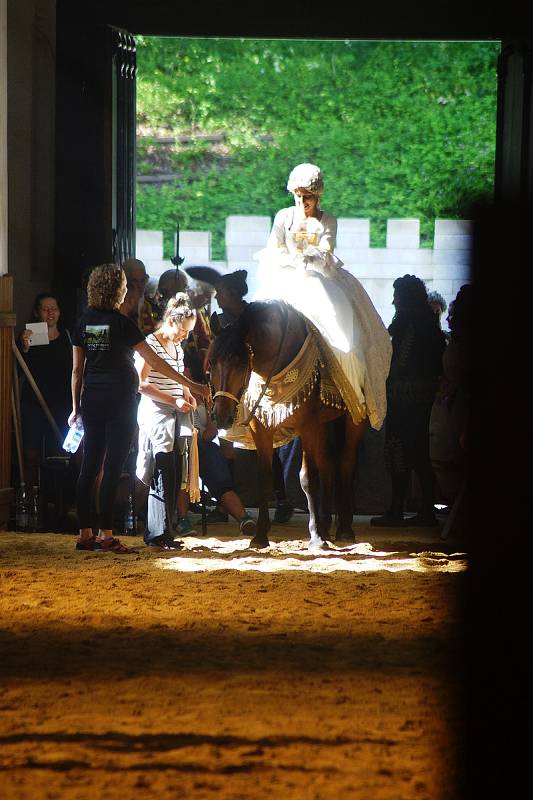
(133, 370)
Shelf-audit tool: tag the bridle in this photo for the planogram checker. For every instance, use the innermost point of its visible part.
(237, 398)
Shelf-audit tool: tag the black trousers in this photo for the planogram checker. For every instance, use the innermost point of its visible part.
(406, 449)
(286, 465)
(109, 422)
(164, 489)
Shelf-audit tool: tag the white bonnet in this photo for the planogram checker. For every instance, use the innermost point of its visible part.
(306, 176)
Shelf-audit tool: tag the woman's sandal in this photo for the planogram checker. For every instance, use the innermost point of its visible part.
(112, 545)
(86, 544)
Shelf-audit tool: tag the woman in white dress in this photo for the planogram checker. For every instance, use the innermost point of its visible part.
(298, 266)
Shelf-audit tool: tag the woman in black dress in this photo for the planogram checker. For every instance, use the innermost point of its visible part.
(51, 367)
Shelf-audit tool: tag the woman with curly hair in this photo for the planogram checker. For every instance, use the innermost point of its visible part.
(418, 344)
(104, 394)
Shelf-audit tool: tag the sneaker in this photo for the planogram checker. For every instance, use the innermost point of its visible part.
(86, 544)
(112, 545)
(247, 526)
(165, 542)
(184, 527)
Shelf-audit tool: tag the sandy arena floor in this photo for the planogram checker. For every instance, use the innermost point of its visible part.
(218, 672)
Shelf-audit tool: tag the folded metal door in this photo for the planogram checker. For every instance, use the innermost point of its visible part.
(124, 68)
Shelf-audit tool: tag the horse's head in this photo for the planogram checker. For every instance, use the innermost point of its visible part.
(230, 358)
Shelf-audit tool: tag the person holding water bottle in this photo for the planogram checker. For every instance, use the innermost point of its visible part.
(104, 391)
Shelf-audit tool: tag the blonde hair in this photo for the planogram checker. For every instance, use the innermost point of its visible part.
(178, 308)
(104, 287)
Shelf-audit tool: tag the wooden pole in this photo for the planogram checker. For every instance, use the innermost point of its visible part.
(7, 324)
(17, 420)
(16, 388)
(37, 392)
(18, 439)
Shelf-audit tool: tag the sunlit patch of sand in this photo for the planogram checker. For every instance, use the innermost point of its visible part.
(208, 555)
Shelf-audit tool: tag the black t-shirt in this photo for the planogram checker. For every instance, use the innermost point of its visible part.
(108, 339)
(51, 368)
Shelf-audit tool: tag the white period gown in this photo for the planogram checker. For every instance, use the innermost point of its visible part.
(298, 266)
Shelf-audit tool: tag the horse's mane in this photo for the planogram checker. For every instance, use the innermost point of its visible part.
(230, 343)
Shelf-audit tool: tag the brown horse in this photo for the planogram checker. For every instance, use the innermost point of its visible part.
(265, 339)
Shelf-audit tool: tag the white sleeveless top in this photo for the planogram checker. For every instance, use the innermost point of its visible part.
(166, 385)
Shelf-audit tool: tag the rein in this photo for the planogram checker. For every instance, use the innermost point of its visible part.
(271, 374)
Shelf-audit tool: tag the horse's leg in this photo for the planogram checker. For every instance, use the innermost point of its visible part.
(346, 472)
(263, 440)
(317, 482)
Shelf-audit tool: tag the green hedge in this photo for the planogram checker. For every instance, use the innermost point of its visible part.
(400, 129)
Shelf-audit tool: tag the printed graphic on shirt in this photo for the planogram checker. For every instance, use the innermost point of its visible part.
(97, 337)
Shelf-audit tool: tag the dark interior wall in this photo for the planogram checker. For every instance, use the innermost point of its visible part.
(95, 149)
(82, 230)
(31, 132)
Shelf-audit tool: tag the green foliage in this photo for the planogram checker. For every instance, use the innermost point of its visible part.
(399, 129)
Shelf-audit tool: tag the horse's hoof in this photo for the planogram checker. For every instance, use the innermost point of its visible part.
(259, 542)
(345, 536)
(318, 545)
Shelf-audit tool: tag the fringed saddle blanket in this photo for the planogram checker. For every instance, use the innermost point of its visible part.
(289, 389)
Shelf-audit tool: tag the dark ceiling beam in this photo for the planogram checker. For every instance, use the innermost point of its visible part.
(436, 19)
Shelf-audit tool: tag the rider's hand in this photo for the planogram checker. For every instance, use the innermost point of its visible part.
(72, 418)
(310, 251)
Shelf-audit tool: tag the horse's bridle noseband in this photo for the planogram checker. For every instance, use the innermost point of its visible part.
(237, 398)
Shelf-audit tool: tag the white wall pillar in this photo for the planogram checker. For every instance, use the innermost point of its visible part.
(3, 137)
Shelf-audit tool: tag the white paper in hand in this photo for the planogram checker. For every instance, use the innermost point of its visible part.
(39, 333)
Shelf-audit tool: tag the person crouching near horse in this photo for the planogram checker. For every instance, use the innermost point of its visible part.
(216, 474)
(165, 422)
(298, 266)
(104, 395)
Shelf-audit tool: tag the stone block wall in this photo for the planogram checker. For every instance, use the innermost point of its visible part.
(445, 267)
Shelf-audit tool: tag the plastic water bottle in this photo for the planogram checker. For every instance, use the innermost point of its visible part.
(22, 508)
(129, 517)
(74, 437)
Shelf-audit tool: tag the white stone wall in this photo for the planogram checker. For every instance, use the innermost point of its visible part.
(444, 268)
